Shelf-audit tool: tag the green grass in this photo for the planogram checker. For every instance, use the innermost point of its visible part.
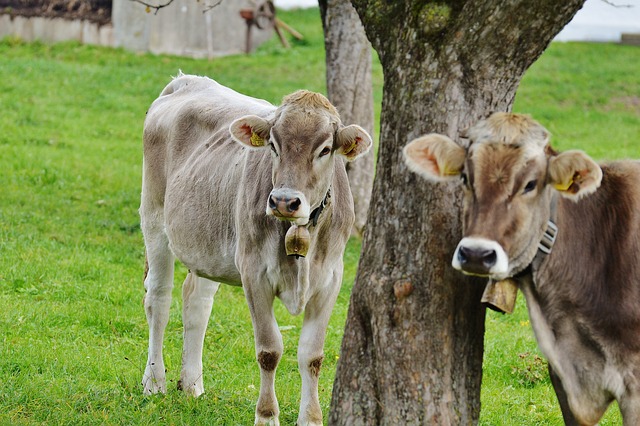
(72, 327)
(588, 96)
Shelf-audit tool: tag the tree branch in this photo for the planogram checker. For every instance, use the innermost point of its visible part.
(211, 6)
(157, 7)
(153, 6)
(610, 3)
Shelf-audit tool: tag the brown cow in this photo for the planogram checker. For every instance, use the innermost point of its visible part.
(583, 291)
(225, 177)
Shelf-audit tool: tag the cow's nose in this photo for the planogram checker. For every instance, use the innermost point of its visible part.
(288, 204)
(284, 204)
(477, 260)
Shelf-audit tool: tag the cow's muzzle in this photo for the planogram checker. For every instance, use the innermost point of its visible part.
(287, 204)
(481, 257)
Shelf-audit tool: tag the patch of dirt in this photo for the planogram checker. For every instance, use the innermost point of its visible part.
(629, 103)
(98, 11)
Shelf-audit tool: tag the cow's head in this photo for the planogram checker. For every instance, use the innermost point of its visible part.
(509, 173)
(304, 137)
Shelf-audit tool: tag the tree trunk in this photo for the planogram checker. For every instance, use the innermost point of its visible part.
(413, 343)
(348, 58)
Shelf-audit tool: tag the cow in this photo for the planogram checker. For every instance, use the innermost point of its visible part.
(567, 230)
(225, 178)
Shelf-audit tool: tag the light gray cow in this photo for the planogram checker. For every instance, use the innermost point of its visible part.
(224, 178)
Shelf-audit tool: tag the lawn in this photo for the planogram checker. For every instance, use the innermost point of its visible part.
(73, 332)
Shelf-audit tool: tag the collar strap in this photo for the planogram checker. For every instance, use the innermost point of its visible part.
(549, 237)
(544, 249)
(315, 214)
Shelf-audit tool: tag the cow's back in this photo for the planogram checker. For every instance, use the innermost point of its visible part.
(187, 113)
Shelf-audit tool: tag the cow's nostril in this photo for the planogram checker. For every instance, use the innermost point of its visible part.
(273, 204)
(294, 205)
(463, 256)
(490, 258)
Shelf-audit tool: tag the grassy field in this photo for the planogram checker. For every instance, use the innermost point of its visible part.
(72, 327)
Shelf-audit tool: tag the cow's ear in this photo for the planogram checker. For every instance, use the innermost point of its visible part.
(435, 157)
(574, 174)
(251, 131)
(352, 141)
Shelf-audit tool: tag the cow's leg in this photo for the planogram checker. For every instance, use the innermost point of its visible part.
(569, 419)
(588, 407)
(311, 351)
(269, 349)
(158, 285)
(630, 410)
(197, 299)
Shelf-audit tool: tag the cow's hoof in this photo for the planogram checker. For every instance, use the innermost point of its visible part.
(152, 386)
(267, 421)
(190, 388)
(154, 379)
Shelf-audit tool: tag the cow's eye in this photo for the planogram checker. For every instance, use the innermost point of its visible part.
(530, 186)
(325, 151)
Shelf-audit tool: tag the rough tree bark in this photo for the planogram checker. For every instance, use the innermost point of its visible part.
(413, 343)
(348, 59)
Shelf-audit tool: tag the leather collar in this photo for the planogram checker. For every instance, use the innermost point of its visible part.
(315, 214)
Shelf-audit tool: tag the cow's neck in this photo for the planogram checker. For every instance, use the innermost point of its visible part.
(543, 331)
(542, 328)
